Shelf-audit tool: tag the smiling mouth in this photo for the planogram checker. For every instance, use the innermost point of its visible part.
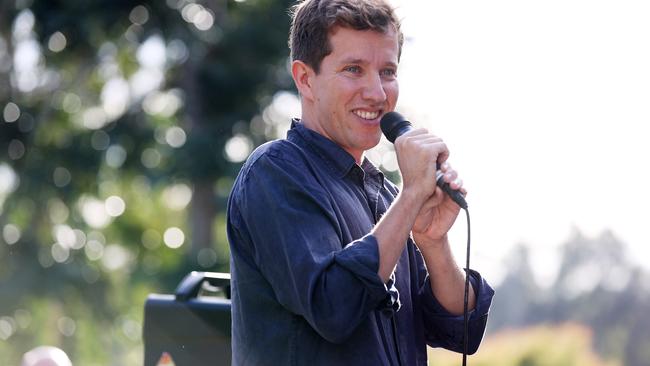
(366, 114)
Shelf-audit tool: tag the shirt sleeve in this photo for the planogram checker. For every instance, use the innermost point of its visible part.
(291, 233)
(444, 329)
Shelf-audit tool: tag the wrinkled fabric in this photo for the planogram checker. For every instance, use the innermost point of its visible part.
(305, 288)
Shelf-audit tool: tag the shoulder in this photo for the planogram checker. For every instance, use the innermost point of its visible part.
(273, 165)
(274, 155)
(275, 150)
(277, 174)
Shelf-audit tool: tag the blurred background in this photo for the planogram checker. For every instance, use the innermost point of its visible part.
(123, 124)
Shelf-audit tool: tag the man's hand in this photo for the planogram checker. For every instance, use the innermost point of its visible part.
(438, 213)
(418, 154)
(432, 223)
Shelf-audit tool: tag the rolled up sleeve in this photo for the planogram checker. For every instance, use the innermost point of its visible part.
(298, 249)
(444, 329)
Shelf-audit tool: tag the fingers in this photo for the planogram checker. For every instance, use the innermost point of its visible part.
(430, 144)
(434, 200)
(418, 136)
(419, 155)
(436, 146)
(450, 176)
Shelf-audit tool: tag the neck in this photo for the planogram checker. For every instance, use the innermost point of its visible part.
(311, 123)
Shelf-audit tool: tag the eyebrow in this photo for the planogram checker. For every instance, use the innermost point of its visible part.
(362, 61)
(354, 61)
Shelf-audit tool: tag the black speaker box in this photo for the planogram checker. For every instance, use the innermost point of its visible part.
(189, 328)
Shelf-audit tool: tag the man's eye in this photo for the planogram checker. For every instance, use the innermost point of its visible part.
(353, 69)
(388, 73)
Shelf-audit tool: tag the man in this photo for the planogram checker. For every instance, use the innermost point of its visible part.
(324, 269)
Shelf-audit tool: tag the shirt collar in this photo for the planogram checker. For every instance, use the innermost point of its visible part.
(335, 157)
(370, 169)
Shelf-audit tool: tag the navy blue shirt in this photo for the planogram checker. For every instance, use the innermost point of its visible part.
(305, 288)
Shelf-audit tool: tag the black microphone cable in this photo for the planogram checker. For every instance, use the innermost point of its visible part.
(393, 125)
(466, 296)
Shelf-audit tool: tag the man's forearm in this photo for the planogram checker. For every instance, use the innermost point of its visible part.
(447, 279)
(393, 230)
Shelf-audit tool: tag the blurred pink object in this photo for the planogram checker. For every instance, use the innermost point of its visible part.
(46, 356)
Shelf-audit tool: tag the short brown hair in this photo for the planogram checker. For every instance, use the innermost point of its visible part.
(312, 21)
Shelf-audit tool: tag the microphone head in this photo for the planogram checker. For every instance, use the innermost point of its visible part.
(393, 125)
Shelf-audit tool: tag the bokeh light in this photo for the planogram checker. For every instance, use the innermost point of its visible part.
(100, 140)
(61, 177)
(57, 210)
(238, 148)
(175, 137)
(115, 257)
(45, 257)
(66, 326)
(278, 114)
(150, 158)
(163, 104)
(94, 212)
(57, 42)
(131, 329)
(174, 237)
(23, 318)
(115, 156)
(94, 118)
(11, 112)
(11, 234)
(151, 239)
(115, 206)
(94, 249)
(8, 180)
(60, 254)
(201, 17)
(206, 257)
(177, 197)
(115, 97)
(71, 103)
(64, 236)
(177, 51)
(16, 149)
(7, 327)
(139, 15)
(27, 57)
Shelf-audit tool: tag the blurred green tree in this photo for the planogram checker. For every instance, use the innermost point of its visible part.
(543, 345)
(123, 125)
(597, 285)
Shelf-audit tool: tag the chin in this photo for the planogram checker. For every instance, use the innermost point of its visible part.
(371, 143)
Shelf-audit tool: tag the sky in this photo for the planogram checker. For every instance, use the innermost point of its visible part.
(544, 106)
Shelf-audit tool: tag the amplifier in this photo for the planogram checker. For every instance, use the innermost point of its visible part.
(189, 328)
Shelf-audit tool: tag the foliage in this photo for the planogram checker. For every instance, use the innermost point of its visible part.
(597, 285)
(122, 124)
(562, 345)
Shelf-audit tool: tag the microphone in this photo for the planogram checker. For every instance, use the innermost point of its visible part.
(393, 125)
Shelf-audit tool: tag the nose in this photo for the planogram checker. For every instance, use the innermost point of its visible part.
(374, 89)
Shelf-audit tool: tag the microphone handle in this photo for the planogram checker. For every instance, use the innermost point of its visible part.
(454, 194)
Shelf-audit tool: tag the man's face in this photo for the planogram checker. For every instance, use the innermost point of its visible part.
(356, 86)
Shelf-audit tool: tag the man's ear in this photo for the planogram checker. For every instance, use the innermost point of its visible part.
(303, 78)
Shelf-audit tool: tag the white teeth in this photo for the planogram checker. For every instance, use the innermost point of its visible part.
(366, 115)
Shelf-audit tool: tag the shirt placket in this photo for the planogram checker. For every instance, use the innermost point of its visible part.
(372, 184)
